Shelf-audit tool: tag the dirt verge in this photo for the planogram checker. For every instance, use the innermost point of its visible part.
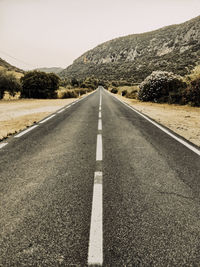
(16, 115)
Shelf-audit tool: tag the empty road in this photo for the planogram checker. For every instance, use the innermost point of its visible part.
(98, 184)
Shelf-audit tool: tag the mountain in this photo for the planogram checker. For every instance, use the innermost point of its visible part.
(131, 58)
(5, 65)
(55, 70)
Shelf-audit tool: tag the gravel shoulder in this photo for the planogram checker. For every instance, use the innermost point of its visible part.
(184, 120)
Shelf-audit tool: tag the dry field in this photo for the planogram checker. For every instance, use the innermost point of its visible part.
(16, 115)
(184, 120)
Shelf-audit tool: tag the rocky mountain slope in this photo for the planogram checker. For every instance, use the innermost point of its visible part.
(131, 58)
(55, 70)
(5, 65)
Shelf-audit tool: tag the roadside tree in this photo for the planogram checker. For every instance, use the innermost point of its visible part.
(36, 84)
(9, 83)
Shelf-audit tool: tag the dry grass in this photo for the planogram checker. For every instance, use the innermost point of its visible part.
(18, 75)
(16, 115)
(184, 120)
(128, 88)
(62, 90)
(194, 74)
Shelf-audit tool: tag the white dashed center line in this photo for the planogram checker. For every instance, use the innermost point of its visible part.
(100, 125)
(95, 253)
(99, 147)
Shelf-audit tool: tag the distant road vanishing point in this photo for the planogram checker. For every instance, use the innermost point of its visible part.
(97, 184)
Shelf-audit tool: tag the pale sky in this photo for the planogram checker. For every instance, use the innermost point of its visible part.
(53, 33)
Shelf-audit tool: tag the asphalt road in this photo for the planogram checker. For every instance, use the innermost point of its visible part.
(54, 178)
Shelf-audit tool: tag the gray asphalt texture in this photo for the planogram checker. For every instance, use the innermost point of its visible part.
(151, 191)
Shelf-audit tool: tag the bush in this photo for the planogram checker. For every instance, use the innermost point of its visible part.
(162, 86)
(133, 94)
(82, 91)
(192, 93)
(124, 92)
(36, 84)
(114, 90)
(9, 83)
(69, 94)
(89, 82)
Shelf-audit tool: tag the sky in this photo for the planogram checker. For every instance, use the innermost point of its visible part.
(53, 33)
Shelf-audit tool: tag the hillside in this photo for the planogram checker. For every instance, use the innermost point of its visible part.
(173, 48)
(55, 70)
(5, 65)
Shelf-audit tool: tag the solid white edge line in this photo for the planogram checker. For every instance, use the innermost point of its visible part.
(99, 154)
(3, 144)
(191, 147)
(100, 125)
(26, 131)
(61, 110)
(95, 250)
(47, 118)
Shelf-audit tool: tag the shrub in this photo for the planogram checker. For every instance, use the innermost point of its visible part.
(162, 86)
(74, 82)
(192, 93)
(9, 83)
(69, 94)
(124, 92)
(36, 84)
(89, 82)
(133, 94)
(114, 90)
(81, 91)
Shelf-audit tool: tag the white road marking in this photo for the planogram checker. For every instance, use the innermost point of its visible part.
(48, 118)
(3, 144)
(99, 108)
(95, 251)
(61, 110)
(100, 100)
(99, 154)
(99, 114)
(100, 125)
(26, 131)
(191, 147)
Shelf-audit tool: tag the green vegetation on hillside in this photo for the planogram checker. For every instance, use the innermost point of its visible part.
(132, 58)
(55, 70)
